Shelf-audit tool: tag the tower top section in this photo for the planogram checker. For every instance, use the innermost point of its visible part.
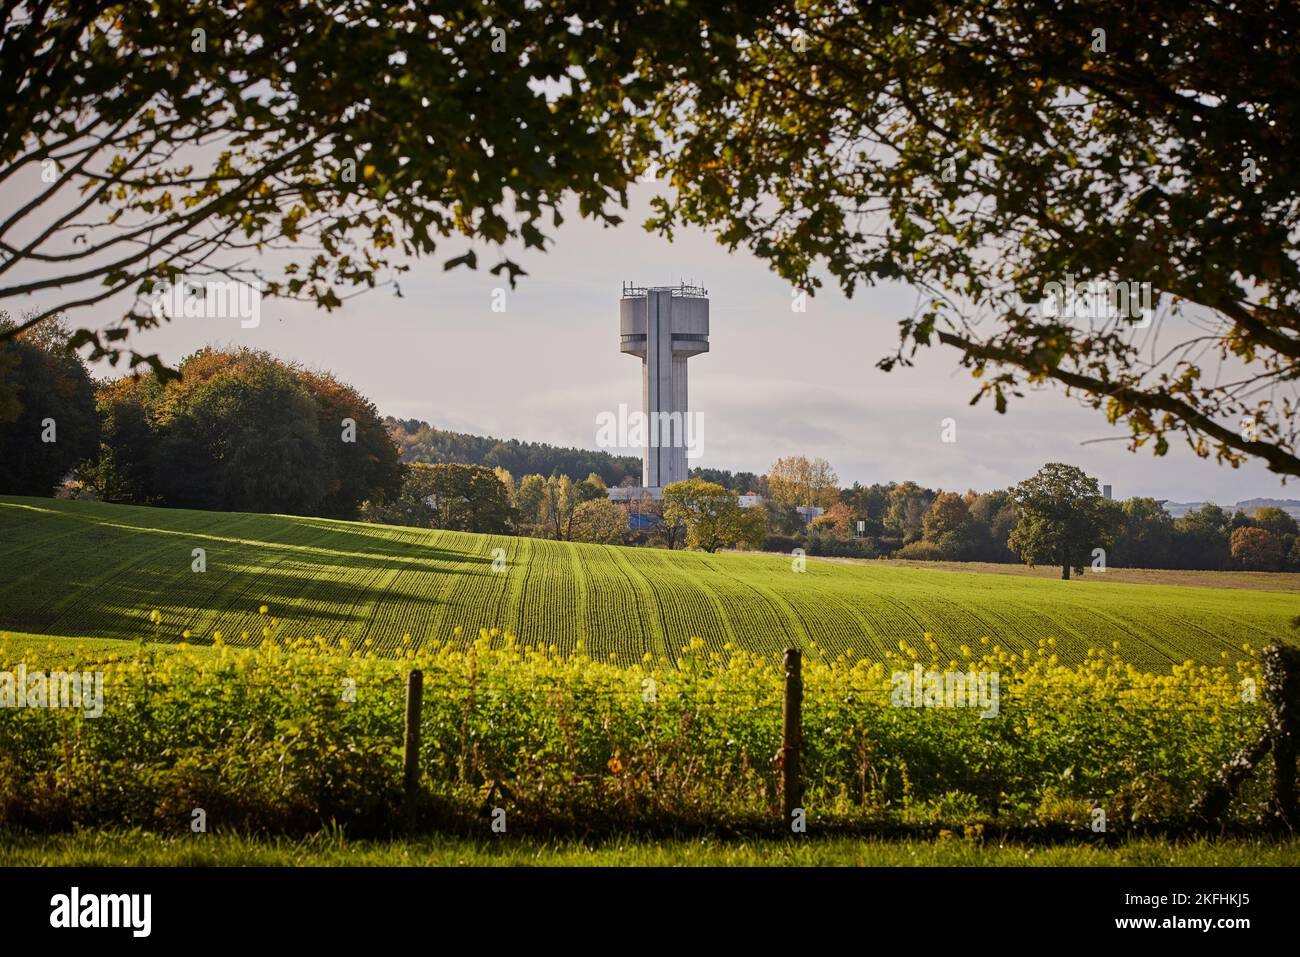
(671, 319)
(681, 291)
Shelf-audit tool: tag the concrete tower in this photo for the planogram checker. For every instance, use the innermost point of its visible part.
(664, 326)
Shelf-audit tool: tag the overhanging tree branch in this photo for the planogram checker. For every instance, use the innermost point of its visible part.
(1278, 459)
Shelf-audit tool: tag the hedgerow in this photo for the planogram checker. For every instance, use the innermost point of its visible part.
(298, 732)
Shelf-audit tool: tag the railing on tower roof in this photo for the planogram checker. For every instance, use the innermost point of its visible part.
(682, 290)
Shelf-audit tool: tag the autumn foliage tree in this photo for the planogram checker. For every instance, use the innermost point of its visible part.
(242, 431)
(796, 481)
(238, 433)
(837, 521)
(1277, 521)
(559, 501)
(366, 463)
(945, 517)
(600, 521)
(1256, 549)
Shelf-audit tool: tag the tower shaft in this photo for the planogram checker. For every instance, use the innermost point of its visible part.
(664, 326)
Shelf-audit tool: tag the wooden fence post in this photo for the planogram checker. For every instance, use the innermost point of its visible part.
(792, 734)
(411, 742)
(1282, 686)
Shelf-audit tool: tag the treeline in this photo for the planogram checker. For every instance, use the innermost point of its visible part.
(475, 498)
(418, 441)
(742, 483)
(239, 430)
(906, 520)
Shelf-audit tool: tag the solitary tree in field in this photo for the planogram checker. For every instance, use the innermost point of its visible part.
(1062, 518)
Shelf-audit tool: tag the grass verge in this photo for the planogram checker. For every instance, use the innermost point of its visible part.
(139, 848)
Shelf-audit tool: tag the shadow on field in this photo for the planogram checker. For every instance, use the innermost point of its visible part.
(379, 542)
(70, 572)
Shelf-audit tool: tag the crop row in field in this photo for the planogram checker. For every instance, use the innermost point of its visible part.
(95, 570)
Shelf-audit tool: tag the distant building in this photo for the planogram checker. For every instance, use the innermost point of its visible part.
(808, 512)
(750, 500)
(641, 522)
(634, 493)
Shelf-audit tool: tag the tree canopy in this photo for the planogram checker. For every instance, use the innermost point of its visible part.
(712, 515)
(198, 138)
(48, 423)
(795, 481)
(983, 152)
(243, 431)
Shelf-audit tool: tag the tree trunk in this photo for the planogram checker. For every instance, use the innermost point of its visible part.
(1065, 569)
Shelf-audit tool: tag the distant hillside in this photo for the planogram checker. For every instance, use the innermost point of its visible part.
(1289, 505)
(1286, 504)
(418, 441)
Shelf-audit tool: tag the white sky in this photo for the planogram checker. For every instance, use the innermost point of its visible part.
(776, 382)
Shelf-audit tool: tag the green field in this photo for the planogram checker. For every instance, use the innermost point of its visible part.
(84, 569)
